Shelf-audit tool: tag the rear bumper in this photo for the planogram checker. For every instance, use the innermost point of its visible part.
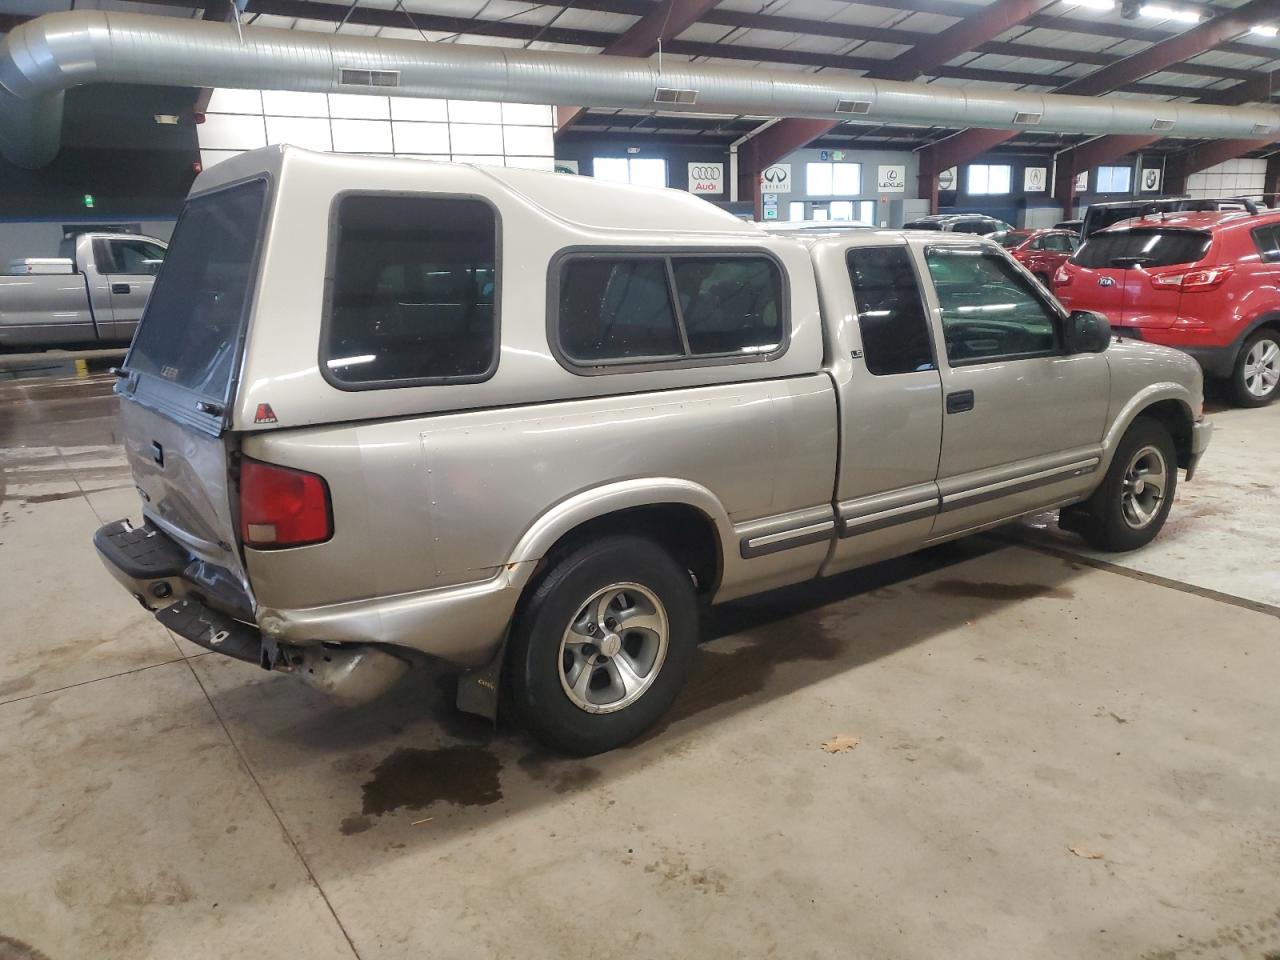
(334, 646)
(1218, 362)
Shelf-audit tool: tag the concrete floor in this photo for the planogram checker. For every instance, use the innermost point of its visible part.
(1059, 756)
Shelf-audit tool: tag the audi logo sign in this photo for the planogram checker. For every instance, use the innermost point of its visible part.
(706, 178)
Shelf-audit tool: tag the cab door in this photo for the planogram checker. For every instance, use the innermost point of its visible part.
(129, 266)
(1023, 419)
(889, 393)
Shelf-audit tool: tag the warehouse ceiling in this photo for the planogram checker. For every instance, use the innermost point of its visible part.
(1034, 45)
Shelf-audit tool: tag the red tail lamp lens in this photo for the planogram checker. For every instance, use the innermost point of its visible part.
(280, 507)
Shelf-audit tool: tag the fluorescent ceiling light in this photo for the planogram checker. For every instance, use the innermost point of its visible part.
(1264, 30)
(1095, 4)
(1161, 12)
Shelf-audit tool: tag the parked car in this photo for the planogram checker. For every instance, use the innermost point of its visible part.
(382, 408)
(1040, 251)
(1074, 226)
(1099, 216)
(93, 293)
(1207, 283)
(975, 223)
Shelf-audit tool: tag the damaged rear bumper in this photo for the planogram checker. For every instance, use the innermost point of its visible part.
(199, 605)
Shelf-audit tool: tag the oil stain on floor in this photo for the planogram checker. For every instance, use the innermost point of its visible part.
(413, 779)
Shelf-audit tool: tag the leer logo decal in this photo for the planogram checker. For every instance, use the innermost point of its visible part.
(264, 414)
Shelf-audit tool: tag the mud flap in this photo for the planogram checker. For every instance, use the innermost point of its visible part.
(478, 687)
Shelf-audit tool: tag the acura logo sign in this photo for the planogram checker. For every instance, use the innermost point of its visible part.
(1106, 281)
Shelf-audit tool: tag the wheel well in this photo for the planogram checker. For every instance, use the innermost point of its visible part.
(684, 531)
(1177, 420)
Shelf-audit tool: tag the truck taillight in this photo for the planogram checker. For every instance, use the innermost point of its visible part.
(1061, 276)
(1192, 280)
(280, 507)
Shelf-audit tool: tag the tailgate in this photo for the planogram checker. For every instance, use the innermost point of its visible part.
(183, 477)
(1101, 290)
(182, 371)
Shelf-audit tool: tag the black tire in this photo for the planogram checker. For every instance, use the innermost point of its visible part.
(1241, 395)
(535, 656)
(1103, 520)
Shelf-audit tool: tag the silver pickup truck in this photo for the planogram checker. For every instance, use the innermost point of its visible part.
(530, 424)
(93, 292)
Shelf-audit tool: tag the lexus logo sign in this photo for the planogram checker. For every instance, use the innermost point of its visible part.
(706, 178)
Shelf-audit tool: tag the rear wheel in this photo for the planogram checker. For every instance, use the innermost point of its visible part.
(603, 646)
(1256, 378)
(1129, 508)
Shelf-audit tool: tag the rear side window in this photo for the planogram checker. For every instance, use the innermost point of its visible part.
(638, 308)
(891, 318)
(1142, 248)
(413, 292)
(1267, 240)
(190, 332)
(1058, 243)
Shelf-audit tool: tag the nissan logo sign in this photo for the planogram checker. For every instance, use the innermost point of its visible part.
(1106, 281)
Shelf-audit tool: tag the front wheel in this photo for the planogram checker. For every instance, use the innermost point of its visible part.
(1256, 377)
(603, 646)
(1129, 508)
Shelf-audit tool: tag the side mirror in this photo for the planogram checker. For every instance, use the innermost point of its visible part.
(1087, 332)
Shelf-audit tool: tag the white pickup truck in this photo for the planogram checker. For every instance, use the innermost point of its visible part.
(93, 292)
(529, 424)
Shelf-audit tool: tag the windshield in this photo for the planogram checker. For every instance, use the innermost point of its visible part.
(191, 329)
(1010, 240)
(1142, 248)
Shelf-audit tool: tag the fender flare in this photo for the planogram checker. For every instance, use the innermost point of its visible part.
(1147, 397)
(600, 501)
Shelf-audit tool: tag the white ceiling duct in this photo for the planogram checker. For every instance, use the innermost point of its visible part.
(43, 57)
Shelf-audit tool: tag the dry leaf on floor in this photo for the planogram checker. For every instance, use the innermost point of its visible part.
(1086, 853)
(841, 743)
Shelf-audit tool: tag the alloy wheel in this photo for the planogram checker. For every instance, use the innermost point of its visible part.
(613, 649)
(1262, 367)
(1143, 490)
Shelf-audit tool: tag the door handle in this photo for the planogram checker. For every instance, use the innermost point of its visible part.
(960, 401)
(120, 288)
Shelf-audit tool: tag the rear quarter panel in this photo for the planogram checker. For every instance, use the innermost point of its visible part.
(40, 310)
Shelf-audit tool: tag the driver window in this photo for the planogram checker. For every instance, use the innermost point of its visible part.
(134, 257)
(989, 312)
(1058, 243)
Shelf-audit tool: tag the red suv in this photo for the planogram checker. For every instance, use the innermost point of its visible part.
(1040, 251)
(1207, 283)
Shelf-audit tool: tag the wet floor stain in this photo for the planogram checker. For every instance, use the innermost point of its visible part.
(69, 494)
(355, 824)
(991, 590)
(11, 949)
(413, 779)
(560, 774)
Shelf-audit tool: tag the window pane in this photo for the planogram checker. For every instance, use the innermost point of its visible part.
(819, 213)
(613, 309)
(413, 290)
(615, 169)
(730, 306)
(795, 210)
(978, 178)
(193, 320)
(867, 211)
(998, 178)
(1267, 240)
(817, 179)
(1146, 248)
(895, 333)
(1113, 179)
(841, 209)
(846, 178)
(988, 310)
(649, 171)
